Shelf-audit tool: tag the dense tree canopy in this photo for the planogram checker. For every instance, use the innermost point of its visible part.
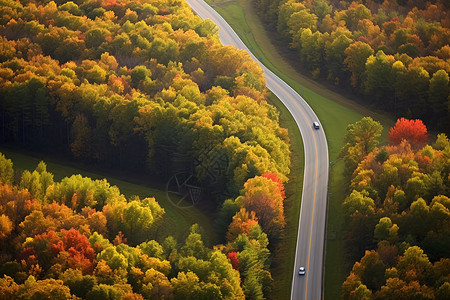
(134, 85)
(393, 53)
(128, 84)
(397, 214)
(56, 251)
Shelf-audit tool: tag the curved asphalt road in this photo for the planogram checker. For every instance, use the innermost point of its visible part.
(311, 233)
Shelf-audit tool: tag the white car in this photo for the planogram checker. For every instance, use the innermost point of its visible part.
(301, 271)
(316, 125)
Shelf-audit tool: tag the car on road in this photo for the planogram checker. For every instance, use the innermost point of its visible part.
(301, 271)
(316, 125)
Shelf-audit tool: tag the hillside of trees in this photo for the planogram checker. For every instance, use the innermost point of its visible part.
(133, 83)
(137, 86)
(393, 54)
(81, 238)
(397, 212)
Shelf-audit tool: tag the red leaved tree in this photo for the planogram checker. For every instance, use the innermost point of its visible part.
(232, 256)
(69, 246)
(414, 131)
(81, 254)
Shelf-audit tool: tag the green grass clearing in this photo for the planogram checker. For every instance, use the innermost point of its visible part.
(177, 221)
(335, 113)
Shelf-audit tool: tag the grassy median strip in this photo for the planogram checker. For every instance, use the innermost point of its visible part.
(177, 219)
(335, 113)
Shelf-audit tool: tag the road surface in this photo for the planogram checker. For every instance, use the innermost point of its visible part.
(311, 233)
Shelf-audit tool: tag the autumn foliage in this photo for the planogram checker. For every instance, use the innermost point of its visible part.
(393, 54)
(414, 131)
(133, 82)
(398, 207)
(138, 86)
(52, 251)
(119, 83)
(242, 221)
(73, 247)
(274, 177)
(264, 197)
(232, 256)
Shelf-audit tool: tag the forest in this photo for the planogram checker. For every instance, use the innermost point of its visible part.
(397, 212)
(125, 83)
(82, 239)
(394, 55)
(143, 87)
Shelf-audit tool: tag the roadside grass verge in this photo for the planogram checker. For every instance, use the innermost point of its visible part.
(335, 112)
(177, 220)
(283, 269)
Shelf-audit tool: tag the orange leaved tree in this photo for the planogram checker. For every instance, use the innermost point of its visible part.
(414, 131)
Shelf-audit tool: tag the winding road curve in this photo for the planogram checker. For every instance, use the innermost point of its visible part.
(311, 231)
